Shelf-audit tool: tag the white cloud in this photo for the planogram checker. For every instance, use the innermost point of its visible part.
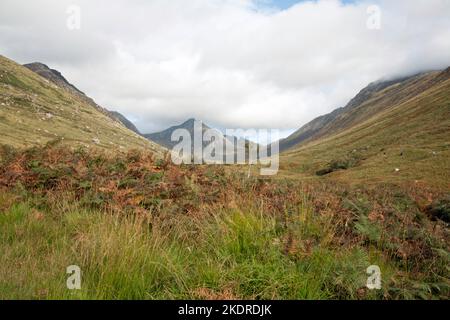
(229, 63)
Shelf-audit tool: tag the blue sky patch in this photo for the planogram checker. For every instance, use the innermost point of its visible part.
(285, 4)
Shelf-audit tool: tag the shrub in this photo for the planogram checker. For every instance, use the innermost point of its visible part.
(440, 209)
(347, 162)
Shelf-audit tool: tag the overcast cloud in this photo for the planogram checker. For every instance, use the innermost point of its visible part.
(231, 63)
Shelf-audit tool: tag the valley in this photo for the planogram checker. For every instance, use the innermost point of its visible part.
(365, 185)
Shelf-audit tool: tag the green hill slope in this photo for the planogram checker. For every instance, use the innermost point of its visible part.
(376, 97)
(35, 111)
(401, 134)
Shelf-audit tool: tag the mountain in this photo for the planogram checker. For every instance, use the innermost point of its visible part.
(392, 132)
(127, 123)
(38, 105)
(54, 76)
(57, 78)
(164, 138)
(376, 97)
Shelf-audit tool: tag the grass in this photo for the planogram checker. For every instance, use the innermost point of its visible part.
(233, 255)
(144, 229)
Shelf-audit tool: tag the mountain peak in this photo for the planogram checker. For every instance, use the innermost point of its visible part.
(37, 65)
(52, 75)
(447, 71)
(190, 121)
(58, 79)
(39, 113)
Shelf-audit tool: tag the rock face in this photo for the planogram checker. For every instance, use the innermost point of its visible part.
(375, 98)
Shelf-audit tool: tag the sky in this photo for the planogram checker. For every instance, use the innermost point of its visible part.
(263, 64)
(286, 4)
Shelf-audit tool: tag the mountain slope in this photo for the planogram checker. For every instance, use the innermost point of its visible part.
(57, 78)
(53, 75)
(401, 134)
(127, 123)
(35, 111)
(376, 97)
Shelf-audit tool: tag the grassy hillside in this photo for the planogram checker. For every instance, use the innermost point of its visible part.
(375, 98)
(34, 111)
(407, 143)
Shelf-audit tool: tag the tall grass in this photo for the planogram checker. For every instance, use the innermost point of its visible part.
(224, 254)
(140, 230)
